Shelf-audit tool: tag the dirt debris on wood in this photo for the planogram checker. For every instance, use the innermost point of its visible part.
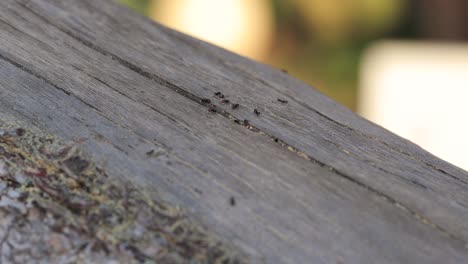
(232, 201)
(58, 207)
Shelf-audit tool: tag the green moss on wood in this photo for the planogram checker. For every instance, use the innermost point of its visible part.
(58, 206)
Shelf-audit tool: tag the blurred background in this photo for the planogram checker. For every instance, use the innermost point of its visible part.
(400, 63)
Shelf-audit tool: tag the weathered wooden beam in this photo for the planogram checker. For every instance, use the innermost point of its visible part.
(306, 181)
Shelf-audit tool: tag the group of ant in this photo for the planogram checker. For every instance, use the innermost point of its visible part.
(212, 109)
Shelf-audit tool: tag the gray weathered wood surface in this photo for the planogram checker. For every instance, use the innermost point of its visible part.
(313, 182)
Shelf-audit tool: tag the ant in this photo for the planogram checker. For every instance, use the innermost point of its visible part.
(206, 101)
(20, 132)
(232, 201)
(212, 110)
(219, 94)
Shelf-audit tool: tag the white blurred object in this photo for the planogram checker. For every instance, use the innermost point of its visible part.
(420, 92)
(243, 26)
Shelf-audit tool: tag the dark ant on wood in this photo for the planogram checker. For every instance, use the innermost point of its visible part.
(244, 123)
(211, 110)
(235, 106)
(20, 132)
(205, 100)
(282, 101)
(219, 94)
(225, 101)
(232, 201)
(257, 112)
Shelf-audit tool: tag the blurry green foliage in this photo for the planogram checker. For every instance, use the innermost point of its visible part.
(140, 6)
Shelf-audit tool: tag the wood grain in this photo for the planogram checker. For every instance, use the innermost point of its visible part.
(313, 182)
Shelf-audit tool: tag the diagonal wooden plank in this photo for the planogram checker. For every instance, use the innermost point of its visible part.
(310, 122)
(289, 209)
(295, 210)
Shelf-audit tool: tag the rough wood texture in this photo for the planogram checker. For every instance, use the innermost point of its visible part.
(56, 206)
(305, 181)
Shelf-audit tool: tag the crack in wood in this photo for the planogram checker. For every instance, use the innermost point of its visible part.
(198, 99)
(354, 130)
